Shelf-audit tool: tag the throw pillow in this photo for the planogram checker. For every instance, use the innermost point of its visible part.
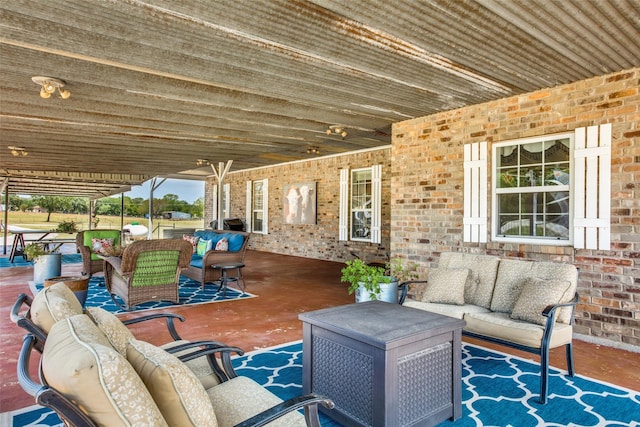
(78, 361)
(180, 396)
(538, 294)
(53, 303)
(222, 245)
(112, 327)
(446, 285)
(191, 239)
(203, 246)
(99, 246)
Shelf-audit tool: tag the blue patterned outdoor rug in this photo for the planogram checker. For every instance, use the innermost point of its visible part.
(498, 390)
(189, 291)
(20, 262)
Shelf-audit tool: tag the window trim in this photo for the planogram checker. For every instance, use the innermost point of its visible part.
(495, 217)
(265, 206)
(345, 226)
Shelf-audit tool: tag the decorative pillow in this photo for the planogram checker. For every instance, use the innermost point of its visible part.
(538, 294)
(203, 246)
(178, 393)
(446, 285)
(52, 304)
(222, 245)
(78, 361)
(116, 332)
(101, 246)
(191, 239)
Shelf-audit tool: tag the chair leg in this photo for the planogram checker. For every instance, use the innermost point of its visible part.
(544, 374)
(569, 352)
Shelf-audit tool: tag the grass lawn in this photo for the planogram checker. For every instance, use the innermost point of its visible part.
(38, 221)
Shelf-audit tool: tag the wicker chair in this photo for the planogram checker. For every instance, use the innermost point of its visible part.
(149, 270)
(91, 263)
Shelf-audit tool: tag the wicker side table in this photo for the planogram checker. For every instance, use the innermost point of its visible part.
(384, 364)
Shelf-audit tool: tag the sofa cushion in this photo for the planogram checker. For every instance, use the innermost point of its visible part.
(241, 398)
(191, 239)
(53, 303)
(538, 294)
(203, 246)
(483, 270)
(501, 326)
(559, 271)
(222, 245)
(512, 275)
(80, 363)
(199, 366)
(236, 240)
(116, 332)
(175, 389)
(451, 310)
(446, 285)
(101, 245)
(196, 261)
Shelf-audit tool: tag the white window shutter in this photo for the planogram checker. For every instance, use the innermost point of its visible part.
(249, 207)
(475, 192)
(343, 225)
(376, 204)
(592, 188)
(265, 206)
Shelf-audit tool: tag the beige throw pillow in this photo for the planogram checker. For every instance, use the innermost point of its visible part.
(116, 332)
(536, 295)
(446, 285)
(79, 362)
(54, 303)
(176, 390)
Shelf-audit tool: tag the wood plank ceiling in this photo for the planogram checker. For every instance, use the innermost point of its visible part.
(157, 84)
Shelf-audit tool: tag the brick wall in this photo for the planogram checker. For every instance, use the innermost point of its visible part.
(318, 241)
(427, 194)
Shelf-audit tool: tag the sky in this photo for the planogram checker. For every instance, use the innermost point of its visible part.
(186, 190)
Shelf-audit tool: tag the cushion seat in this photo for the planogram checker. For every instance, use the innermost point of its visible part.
(501, 326)
(451, 310)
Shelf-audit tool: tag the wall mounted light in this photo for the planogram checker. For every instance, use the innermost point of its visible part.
(48, 85)
(17, 151)
(337, 130)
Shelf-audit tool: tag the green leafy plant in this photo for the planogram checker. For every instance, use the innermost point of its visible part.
(357, 273)
(401, 270)
(35, 250)
(67, 227)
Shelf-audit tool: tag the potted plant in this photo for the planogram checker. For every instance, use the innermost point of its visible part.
(369, 282)
(402, 271)
(46, 263)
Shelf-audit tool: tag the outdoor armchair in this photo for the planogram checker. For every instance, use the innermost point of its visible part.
(149, 270)
(91, 262)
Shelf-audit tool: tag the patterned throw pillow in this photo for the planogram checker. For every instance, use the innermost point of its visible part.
(191, 239)
(203, 246)
(536, 295)
(101, 246)
(446, 285)
(222, 245)
(178, 393)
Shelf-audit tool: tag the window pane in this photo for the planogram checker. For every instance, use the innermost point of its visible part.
(257, 221)
(360, 225)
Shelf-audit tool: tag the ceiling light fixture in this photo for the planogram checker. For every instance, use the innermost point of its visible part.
(48, 85)
(337, 130)
(202, 162)
(17, 151)
(314, 149)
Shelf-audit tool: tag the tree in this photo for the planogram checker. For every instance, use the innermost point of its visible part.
(52, 204)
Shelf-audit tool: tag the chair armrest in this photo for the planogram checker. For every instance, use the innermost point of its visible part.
(169, 317)
(210, 349)
(550, 310)
(404, 288)
(25, 322)
(309, 402)
(218, 257)
(115, 262)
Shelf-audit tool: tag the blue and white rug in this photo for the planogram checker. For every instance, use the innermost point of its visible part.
(498, 390)
(189, 291)
(19, 261)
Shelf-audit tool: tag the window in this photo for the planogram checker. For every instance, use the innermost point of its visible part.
(257, 206)
(360, 203)
(532, 189)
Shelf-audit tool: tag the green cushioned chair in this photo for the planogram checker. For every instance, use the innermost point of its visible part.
(149, 270)
(90, 261)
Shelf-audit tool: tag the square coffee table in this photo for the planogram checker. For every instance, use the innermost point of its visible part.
(383, 364)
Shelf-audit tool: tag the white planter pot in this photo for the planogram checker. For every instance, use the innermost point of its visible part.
(46, 266)
(388, 293)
